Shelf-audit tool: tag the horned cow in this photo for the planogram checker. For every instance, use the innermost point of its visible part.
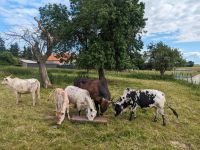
(23, 86)
(98, 90)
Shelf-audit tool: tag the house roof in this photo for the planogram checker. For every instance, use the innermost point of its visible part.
(53, 57)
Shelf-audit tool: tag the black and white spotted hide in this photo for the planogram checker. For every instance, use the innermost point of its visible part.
(142, 98)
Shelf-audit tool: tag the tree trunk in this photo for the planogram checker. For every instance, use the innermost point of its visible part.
(103, 80)
(101, 74)
(162, 73)
(44, 75)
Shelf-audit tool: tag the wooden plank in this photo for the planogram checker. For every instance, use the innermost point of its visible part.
(82, 119)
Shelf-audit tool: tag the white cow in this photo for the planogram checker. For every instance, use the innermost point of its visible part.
(62, 104)
(23, 86)
(81, 98)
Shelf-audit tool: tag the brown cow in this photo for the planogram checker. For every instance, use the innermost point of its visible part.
(98, 91)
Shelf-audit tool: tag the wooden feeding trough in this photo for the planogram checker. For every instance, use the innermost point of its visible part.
(83, 119)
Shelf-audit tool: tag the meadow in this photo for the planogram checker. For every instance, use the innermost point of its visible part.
(26, 127)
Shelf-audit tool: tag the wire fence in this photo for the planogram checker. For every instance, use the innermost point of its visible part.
(187, 74)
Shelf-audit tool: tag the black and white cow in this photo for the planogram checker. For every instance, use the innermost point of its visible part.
(143, 98)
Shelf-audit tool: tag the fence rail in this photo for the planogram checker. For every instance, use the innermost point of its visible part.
(191, 76)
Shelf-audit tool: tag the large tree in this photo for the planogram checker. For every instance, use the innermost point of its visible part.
(14, 49)
(162, 57)
(106, 32)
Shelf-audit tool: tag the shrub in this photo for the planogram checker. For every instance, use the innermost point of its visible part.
(6, 58)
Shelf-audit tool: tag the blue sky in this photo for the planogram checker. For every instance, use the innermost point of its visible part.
(177, 23)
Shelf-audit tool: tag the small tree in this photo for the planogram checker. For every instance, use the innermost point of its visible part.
(189, 64)
(41, 43)
(2, 45)
(14, 49)
(6, 58)
(27, 54)
(163, 57)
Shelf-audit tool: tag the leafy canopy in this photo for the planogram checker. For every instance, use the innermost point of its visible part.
(107, 31)
(55, 19)
(163, 57)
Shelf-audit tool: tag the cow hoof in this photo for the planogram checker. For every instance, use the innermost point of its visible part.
(164, 124)
(155, 120)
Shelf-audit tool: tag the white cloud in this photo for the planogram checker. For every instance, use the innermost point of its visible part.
(15, 14)
(193, 56)
(182, 18)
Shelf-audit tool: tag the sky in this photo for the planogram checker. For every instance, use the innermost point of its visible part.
(176, 23)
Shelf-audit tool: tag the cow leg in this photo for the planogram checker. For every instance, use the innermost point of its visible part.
(68, 116)
(33, 97)
(37, 97)
(161, 111)
(18, 95)
(78, 106)
(79, 112)
(156, 115)
(97, 107)
(131, 116)
(133, 112)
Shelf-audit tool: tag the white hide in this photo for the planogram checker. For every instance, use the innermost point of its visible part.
(62, 104)
(24, 86)
(81, 98)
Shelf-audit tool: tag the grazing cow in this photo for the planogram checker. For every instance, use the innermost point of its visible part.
(142, 98)
(24, 86)
(81, 98)
(98, 91)
(62, 104)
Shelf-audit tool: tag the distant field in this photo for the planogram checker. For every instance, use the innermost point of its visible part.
(28, 127)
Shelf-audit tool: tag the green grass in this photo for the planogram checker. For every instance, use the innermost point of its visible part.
(26, 127)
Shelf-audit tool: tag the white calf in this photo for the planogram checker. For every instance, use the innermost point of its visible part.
(62, 104)
(23, 86)
(81, 98)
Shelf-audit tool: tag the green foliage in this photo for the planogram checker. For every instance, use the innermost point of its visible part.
(6, 58)
(162, 57)
(14, 49)
(107, 32)
(27, 54)
(2, 45)
(137, 60)
(55, 19)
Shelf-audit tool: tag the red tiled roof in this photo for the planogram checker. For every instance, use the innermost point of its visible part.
(53, 57)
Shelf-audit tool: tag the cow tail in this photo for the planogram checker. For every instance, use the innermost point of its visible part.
(173, 110)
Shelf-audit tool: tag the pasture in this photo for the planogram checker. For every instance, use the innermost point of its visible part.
(26, 127)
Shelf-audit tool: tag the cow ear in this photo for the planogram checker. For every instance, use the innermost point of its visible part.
(128, 89)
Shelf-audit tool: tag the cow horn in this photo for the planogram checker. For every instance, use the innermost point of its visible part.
(10, 76)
